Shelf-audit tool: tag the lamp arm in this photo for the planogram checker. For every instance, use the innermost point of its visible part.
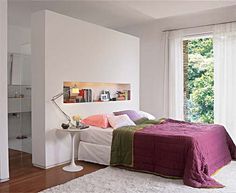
(66, 116)
(59, 95)
(59, 108)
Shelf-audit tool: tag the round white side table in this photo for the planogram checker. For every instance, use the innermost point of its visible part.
(72, 167)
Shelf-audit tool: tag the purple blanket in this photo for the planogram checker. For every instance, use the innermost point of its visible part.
(187, 150)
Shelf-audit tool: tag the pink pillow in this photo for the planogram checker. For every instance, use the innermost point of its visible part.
(97, 121)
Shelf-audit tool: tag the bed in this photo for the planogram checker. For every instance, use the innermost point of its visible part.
(167, 147)
(95, 145)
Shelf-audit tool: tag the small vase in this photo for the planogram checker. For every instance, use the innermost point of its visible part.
(78, 124)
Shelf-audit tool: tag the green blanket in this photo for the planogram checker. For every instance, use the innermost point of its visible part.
(122, 142)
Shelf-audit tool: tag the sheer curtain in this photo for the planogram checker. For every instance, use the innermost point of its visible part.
(174, 93)
(224, 38)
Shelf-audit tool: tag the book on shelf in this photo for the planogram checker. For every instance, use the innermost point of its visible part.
(86, 95)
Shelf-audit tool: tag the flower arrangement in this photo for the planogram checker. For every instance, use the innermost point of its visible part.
(77, 119)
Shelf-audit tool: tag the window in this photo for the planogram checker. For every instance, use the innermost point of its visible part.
(198, 79)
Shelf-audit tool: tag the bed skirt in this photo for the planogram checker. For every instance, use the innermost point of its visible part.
(94, 153)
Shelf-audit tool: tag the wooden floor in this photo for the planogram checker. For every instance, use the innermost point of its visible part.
(24, 177)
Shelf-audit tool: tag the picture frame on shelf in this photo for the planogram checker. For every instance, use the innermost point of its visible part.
(104, 97)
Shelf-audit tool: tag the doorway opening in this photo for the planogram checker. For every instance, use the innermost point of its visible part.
(19, 97)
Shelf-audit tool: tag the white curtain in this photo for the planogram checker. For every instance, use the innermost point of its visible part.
(174, 79)
(224, 38)
(165, 44)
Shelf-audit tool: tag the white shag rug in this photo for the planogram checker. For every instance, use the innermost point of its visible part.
(115, 180)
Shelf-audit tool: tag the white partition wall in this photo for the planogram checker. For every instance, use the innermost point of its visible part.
(68, 49)
(4, 168)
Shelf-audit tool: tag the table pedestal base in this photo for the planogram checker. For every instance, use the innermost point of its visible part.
(72, 168)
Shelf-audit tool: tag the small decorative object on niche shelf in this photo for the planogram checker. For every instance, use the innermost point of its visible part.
(105, 95)
(123, 95)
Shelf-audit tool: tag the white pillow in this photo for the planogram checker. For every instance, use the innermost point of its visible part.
(120, 121)
(146, 115)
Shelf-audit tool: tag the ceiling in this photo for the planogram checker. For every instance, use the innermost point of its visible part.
(110, 13)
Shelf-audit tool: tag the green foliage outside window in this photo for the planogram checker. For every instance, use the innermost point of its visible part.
(200, 101)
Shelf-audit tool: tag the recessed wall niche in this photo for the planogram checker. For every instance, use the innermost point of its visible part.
(86, 92)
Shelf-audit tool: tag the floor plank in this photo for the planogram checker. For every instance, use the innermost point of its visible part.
(25, 178)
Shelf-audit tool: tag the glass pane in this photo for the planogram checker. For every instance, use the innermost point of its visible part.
(19, 102)
(199, 80)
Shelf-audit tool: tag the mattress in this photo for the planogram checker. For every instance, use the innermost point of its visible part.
(96, 135)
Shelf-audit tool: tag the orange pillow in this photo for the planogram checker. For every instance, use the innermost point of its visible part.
(100, 120)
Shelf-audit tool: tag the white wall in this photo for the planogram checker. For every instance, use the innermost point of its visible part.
(4, 167)
(38, 94)
(18, 39)
(67, 49)
(152, 52)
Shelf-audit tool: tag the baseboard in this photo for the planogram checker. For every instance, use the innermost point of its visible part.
(4, 180)
(52, 166)
(38, 166)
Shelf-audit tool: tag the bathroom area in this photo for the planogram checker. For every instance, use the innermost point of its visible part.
(19, 90)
